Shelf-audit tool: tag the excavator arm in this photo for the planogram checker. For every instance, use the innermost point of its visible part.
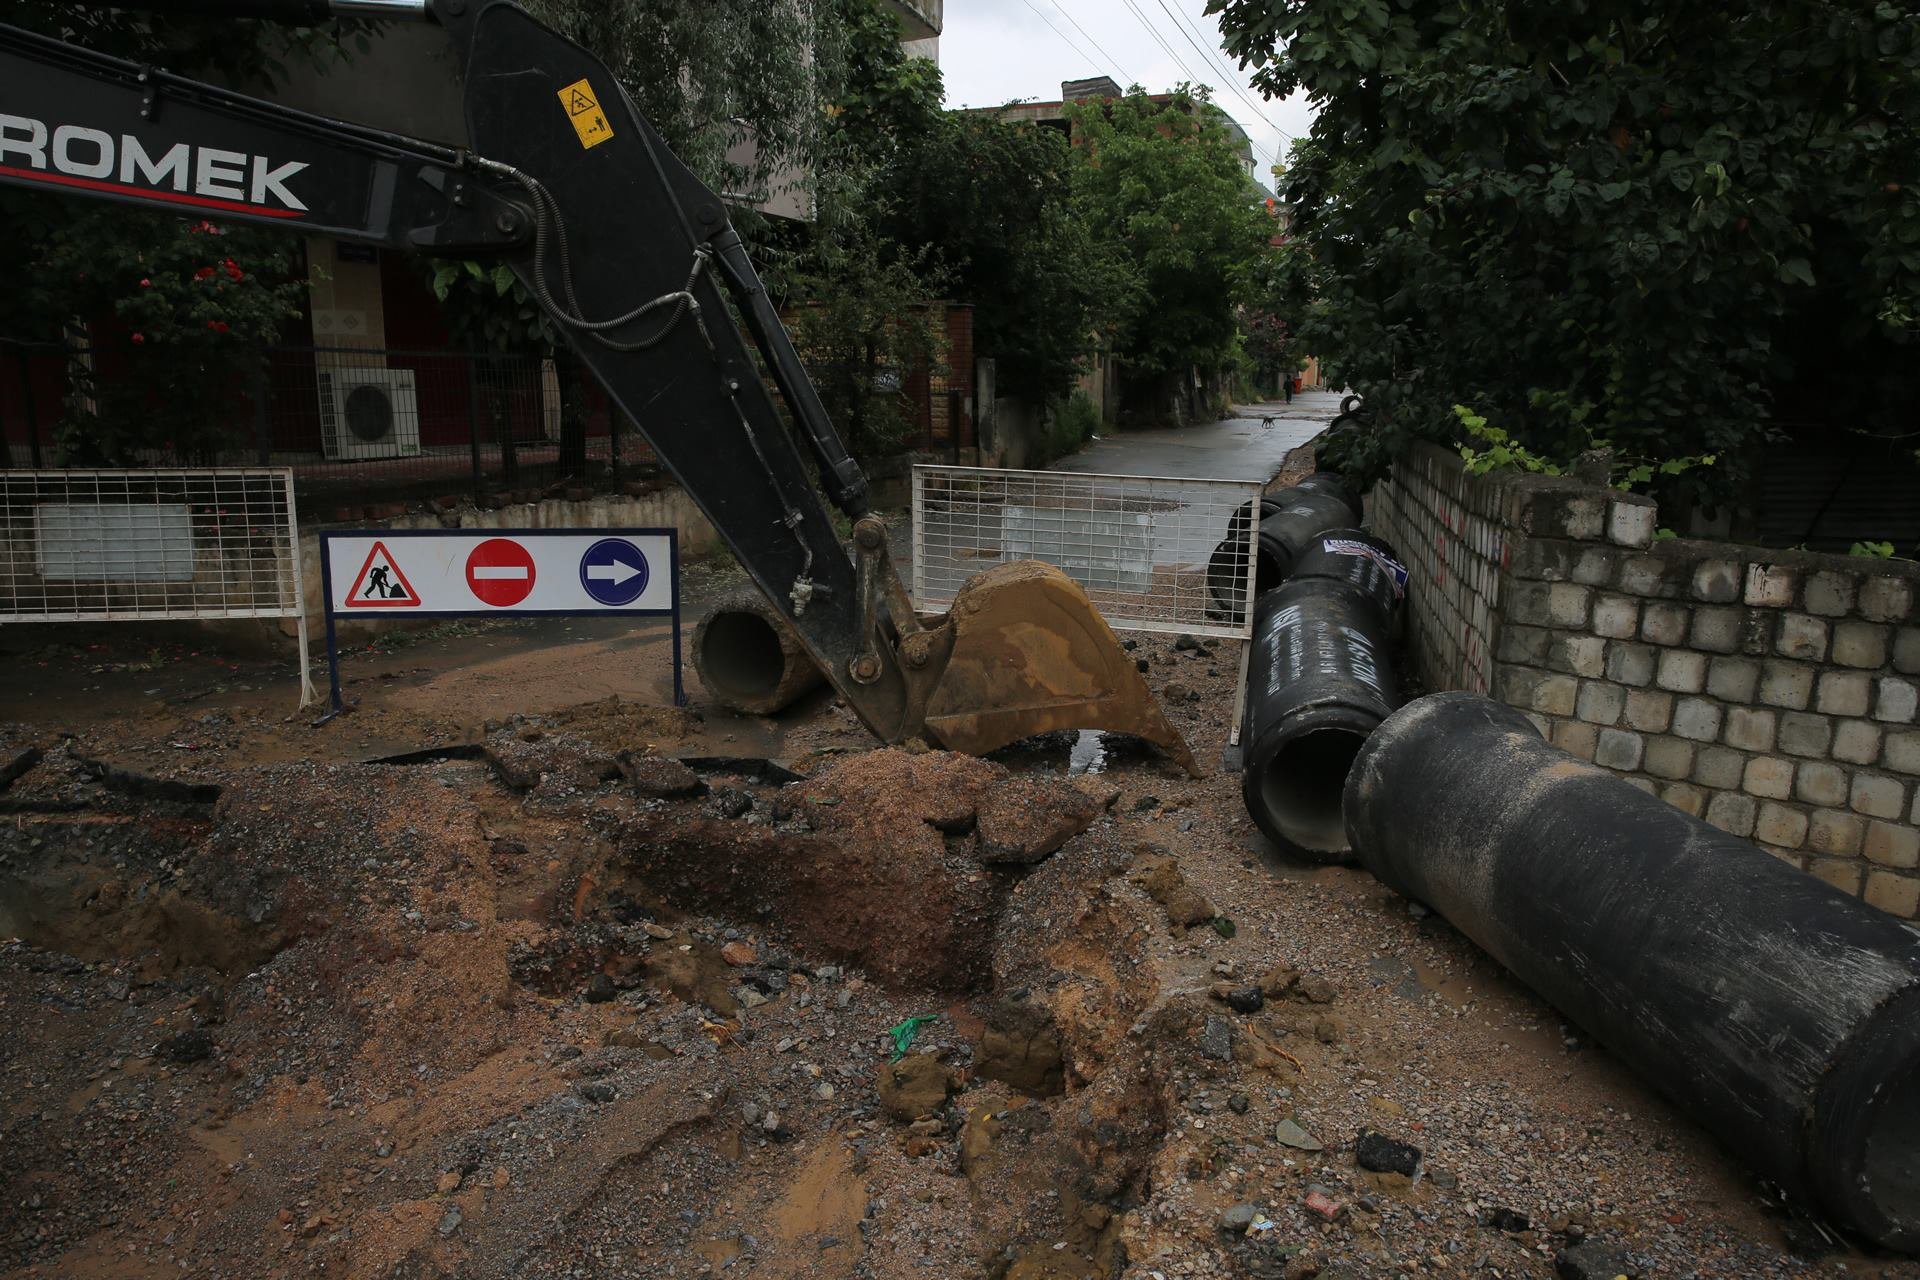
(638, 266)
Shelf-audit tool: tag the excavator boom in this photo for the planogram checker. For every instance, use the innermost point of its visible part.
(638, 266)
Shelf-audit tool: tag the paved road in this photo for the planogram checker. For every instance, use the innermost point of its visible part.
(1250, 445)
(1142, 548)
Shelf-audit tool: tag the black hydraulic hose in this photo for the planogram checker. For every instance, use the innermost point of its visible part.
(1779, 1012)
(1319, 680)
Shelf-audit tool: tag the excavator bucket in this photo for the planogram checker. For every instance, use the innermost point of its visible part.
(1032, 655)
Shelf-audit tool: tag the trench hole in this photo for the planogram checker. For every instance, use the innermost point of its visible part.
(1302, 785)
(741, 653)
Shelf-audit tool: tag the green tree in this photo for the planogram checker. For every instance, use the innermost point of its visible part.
(734, 87)
(1649, 226)
(1267, 338)
(855, 297)
(993, 197)
(969, 204)
(196, 302)
(1163, 182)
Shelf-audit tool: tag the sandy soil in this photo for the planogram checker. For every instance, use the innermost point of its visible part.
(543, 1006)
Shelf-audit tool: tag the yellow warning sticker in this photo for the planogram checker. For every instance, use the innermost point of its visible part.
(583, 110)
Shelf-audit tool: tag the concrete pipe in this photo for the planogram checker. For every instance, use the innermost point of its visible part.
(1319, 680)
(1289, 521)
(1330, 483)
(749, 658)
(1777, 1011)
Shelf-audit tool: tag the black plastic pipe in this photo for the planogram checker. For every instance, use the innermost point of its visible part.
(1319, 680)
(1289, 521)
(1777, 1011)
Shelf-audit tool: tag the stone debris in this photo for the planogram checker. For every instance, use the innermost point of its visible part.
(521, 1016)
(915, 1086)
(1288, 1133)
(1381, 1154)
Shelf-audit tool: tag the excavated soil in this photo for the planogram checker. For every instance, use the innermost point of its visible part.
(582, 994)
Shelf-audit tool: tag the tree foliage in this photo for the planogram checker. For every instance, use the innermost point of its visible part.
(1644, 225)
(1162, 182)
(994, 198)
(734, 87)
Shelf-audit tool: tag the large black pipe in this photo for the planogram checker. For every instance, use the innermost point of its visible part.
(1777, 1011)
(1290, 520)
(1319, 680)
(1330, 483)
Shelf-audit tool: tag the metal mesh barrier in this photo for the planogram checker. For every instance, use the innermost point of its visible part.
(104, 546)
(1143, 547)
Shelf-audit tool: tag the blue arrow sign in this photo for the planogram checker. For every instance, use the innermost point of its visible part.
(614, 572)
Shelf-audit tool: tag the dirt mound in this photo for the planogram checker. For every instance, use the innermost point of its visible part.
(615, 726)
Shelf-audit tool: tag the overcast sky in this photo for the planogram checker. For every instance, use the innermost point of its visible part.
(993, 51)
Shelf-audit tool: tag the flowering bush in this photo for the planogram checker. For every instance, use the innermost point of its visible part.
(195, 303)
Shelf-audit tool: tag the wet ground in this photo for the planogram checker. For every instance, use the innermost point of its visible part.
(1252, 444)
(548, 1007)
(556, 1004)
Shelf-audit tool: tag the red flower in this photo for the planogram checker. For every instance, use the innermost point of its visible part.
(204, 273)
(218, 326)
(139, 338)
(145, 283)
(233, 269)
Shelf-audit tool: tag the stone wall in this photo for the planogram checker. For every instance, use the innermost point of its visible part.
(1771, 692)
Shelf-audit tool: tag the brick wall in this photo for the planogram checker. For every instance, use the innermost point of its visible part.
(1773, 693)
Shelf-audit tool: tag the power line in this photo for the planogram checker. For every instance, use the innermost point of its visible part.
(1112, 61)
(1232, 83)
(1077, 50)
(1165, 48)
(1219, 60)
(1178, 61)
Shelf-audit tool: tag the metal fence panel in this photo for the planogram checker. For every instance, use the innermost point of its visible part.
(1143, 547)
(117, 545)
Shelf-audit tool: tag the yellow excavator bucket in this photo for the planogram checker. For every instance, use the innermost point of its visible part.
(1031, 655)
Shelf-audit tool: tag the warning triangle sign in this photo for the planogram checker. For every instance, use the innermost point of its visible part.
(380, 584)
(579, 104)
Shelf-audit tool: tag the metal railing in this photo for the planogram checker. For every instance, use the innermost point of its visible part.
(352, 423)
(1144, 548)
(102, 545)
(358, 425)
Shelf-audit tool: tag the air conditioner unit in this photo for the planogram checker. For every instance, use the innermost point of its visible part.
(368, 413)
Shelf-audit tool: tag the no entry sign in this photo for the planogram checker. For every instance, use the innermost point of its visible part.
(500, 572)
(394, 573)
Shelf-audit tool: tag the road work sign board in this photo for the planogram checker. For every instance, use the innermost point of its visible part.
(392, 573)
(509, 571)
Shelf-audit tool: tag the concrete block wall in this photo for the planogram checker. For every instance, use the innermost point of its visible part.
(1773, 693)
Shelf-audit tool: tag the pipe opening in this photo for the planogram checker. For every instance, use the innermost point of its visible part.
(1893, 1153)
(1269, 570)
(1302, 785)
(740, 655)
